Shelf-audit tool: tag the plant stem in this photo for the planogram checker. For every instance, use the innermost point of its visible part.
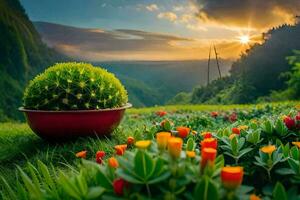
(148, 190)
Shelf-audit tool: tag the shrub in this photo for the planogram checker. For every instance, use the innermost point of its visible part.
(74, 86)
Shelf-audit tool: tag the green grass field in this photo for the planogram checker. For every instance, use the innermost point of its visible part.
(20, 145)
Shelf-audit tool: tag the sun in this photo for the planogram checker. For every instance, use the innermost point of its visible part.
(244, 39)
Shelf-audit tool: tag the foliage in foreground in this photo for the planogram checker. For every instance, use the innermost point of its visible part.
(262, 154)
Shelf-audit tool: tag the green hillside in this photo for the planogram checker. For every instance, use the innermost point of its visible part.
(256, 73)
(22, 55)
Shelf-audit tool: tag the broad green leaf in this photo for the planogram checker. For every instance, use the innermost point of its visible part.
(143, 165)
(279, 192)
(95, 192)
(206, 190)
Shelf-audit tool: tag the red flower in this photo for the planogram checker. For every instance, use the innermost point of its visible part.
(236, 130)
(206, 135)
(161, 113)
(130, 140)
(99, 156)
(289, 122)
(297, 118)
(233, 117)
(208, 156)
(120, 149)
(232, 177)
(183, 131)
(209, 143)
(214, 114)
(119, 186)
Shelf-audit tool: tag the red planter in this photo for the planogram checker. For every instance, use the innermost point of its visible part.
(58, 125)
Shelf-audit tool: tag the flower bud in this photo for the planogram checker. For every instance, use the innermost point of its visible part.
(232, 177)
(162, 139)
(175, 147)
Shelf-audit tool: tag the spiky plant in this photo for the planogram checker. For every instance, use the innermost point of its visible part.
(74, 86)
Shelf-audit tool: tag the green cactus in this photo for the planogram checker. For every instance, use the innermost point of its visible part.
(74, 86)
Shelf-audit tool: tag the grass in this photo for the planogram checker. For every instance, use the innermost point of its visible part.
(20, 145)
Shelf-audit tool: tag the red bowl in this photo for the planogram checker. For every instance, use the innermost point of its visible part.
(57, 125)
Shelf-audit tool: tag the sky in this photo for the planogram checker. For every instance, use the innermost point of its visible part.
(158, 29)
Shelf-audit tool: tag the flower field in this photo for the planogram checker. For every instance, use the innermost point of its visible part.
(175, 152)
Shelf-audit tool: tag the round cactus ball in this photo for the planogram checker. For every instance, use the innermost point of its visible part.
(74, 86)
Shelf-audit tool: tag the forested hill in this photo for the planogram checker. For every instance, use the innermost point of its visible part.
(256, 73)
(22, 55)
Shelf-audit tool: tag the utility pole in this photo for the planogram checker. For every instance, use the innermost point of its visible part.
(208, 65)
(217, 61)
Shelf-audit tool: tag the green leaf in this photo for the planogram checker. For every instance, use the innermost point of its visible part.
(280, 127)
(206, 190)
(160, 178)
(143, 165)
(279, 192)
(190, 144)
(128, 176)
(95, 192)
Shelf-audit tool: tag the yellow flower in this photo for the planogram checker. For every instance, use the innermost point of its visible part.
(254, 197)
(191, 154)
(296, 144)
(243, 127)
(254, 121)
(268, 149)
(297, 106)
(194, 132)
(162, 139)
(175, 146)
(231, 136)
(283, 117)
(143, 144)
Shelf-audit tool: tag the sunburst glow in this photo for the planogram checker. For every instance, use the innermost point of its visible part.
(244, 39)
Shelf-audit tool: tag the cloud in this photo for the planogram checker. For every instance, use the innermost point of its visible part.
(168, 15)
(152, 7)
(260, 14)
(124, 44)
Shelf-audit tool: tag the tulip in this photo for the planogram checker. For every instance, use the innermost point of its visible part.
(81, 154)
(183, 131)
(208, 156)
(113, 162)
(232, 177)
(162, 139)
(296, 144)
(161, 113)
(206, 135)
(120, 149)
(236, 130)
(209, 143)
(99, 156)
(289, 122)
(119, 186)
(214, 114)
(268, 149)
(143, 144)
(175, 146)
(191, 154)
(130, 140)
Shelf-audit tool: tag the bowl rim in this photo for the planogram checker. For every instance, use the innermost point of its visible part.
(127, 105)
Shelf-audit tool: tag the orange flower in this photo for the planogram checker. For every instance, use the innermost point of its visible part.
(161, 113)
(162, 139)
(268, 149)
(175, 146)
(183, 131)
(214, 114)
(208, 156)
(236, 130)
(130, 140)
(120, 149)
(254, 197)
(191, 154)
(209, 143)
(296, 144)
(81, 154)
(143, 144)
(232, 177)
(206, 135)
(99, 156)
(113, 162)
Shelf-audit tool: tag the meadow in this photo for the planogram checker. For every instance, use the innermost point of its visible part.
(22, 152)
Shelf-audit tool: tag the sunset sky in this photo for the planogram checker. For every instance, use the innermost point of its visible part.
(160, 29)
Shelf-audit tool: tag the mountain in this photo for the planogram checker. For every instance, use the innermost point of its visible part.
(256, 73)
(22, 55)
(148, 82)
